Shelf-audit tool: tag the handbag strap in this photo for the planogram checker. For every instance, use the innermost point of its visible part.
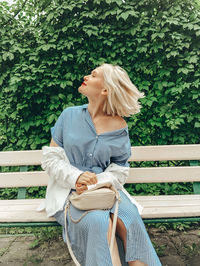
(67, 238)
(114, 227)
(67, 209)
(80, 218)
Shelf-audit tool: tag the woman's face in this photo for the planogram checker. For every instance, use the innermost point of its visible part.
(93, 84)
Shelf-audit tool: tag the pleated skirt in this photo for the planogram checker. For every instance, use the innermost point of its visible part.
(89, 242)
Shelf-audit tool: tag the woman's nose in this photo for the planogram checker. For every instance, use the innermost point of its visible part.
(85, 78)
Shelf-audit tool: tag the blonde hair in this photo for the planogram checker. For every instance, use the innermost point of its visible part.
(122, 98)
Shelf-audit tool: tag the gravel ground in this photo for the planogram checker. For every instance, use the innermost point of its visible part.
(174, 249)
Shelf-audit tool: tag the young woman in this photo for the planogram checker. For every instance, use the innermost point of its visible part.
(95, 137)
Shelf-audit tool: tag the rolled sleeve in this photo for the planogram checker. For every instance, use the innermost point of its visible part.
(58, 167)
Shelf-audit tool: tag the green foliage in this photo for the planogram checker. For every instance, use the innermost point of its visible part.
(42, 234)
(31, 193)
(47, 49)
(178, 226)
(8, 193)
(160, 189)
(160, 249)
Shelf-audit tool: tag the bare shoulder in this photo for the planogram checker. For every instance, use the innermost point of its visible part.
(117, 122)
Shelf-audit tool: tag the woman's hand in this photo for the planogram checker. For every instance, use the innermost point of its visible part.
(85, 179)
(80, 188)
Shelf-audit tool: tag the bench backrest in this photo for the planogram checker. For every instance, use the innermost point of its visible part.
(137, 175)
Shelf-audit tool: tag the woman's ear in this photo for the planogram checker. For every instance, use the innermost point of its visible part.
(104, 92)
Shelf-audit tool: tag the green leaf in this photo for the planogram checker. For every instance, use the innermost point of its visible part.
(11, 56)
(124, 15)
(50, 16)
(61, 96)
(51, 118)
(193, 59)
(5, 55)
(65, 83)
(198, 33)
(195, 96)
(183, 70)
(161, 35)
(90, 32)
(34, 244)
(33, 146)
(197, 124)
(190, 26)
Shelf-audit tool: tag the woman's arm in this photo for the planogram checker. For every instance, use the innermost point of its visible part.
(54, 168)
(58, 167)
(53, 143)
(114, 173)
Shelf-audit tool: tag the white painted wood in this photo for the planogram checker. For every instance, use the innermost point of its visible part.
(154, 207)
(22, 211)
(139, 153)
(137, 175)
(170, 206)
(168, 200)
(12, 158)
(21, 202)
(172, 212)
(164, 174)
(166, 152)
(23, 179)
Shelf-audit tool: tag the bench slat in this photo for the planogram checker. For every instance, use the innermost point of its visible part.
(147, 201)
(17, 158)
(160, 198)
(194, 197)
(137, 175)
(22, 211)
(25, 210)
(23, 179)
(165, 152)
(166, 212)
(139, 153)
(164, 174)
(168, 201)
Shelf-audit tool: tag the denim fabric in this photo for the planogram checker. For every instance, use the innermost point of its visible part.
(88, 238)
(88, 151)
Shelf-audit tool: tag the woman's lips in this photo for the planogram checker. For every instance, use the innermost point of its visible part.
(83, 84)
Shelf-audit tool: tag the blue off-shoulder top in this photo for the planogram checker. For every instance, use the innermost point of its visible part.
(88, 151)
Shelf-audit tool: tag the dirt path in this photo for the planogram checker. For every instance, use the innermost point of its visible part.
(174, 249)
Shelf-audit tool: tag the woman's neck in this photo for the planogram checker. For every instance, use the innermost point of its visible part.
(95, 109)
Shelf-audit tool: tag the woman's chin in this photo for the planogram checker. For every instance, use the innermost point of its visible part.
(81, 91)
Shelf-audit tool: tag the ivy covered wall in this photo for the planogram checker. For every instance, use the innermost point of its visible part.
(47, 48)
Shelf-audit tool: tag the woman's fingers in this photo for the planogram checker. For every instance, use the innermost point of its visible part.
(93, 179)
(80, 188)
(87, 178)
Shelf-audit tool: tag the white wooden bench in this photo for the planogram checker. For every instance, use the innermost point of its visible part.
(163, 208)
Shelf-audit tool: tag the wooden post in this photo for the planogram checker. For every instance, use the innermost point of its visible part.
(196, 185)
(22, 190)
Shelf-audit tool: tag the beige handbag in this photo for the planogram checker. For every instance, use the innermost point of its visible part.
(101, 197)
